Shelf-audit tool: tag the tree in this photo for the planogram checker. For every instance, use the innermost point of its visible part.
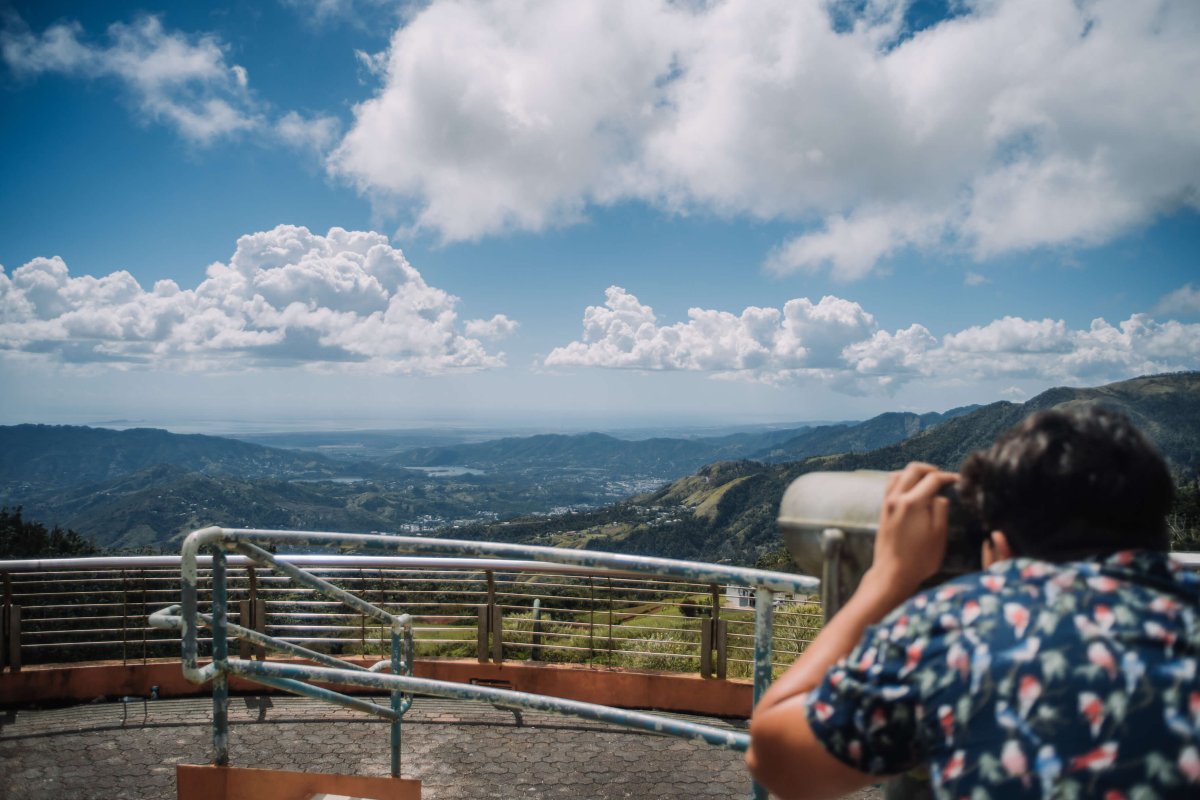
(26, 539)
(1184, 519)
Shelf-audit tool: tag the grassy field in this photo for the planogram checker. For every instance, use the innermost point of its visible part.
(651, 635)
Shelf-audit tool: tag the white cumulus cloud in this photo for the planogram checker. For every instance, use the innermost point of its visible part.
(1015, 124)
(287, 297)
(759, 342)
(498, 327)
(178, 79)
(317, 134)
(181, 80)
(1184, 302)
(838, 342)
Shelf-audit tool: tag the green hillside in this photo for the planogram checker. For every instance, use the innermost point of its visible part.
(49, 456)
(156, 507)
(145, 488)
(880, 431)
(727, 510)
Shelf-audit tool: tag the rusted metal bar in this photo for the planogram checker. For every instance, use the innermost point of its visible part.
(247, 541)
(319, 693)
(258, 613)
(497, 626)
(13, 620)
(48, 635)
(722, 637)
(259, 610)
(124, 618)
(145, 613)
(535, 653)
(398, 668)
(169, 619)
(610, 622)
(326, 588)
(669, 726)
(220, 622)
(592, 616)
(764, 613)
(246, 617)
(482, 650)
(5, 604)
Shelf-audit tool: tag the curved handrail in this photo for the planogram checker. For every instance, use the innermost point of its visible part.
(295, 677)
(699, 571)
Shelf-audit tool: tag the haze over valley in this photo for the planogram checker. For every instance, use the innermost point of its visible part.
(706, 497)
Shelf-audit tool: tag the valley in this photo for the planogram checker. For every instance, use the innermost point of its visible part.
(703, 497)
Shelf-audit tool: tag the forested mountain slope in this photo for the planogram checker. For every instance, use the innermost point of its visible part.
(50, 456)
(727, 510)
(880, 431)
(145, 488)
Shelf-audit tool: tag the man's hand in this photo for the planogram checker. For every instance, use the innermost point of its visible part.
(911, 542)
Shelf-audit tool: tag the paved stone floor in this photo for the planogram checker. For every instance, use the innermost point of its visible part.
(459, 750)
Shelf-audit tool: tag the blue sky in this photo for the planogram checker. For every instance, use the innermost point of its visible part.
(590, 214)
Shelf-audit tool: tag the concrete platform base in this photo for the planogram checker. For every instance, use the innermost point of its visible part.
(237, 783)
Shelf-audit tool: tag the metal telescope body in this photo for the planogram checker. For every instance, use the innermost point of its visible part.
(828, 521)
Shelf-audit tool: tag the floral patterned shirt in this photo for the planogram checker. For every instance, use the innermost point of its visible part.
(1030, 680)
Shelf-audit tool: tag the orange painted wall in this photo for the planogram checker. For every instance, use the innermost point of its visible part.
(622, 688)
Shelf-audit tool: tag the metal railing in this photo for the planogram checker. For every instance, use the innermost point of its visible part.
(637, 579)
(93, 609)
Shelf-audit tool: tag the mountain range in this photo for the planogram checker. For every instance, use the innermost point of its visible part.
(699, 497)
(727, 510)
(664, 455)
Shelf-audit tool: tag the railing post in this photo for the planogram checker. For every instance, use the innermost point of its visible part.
(591, 617)
(720, 630)
(397, 703)
(362, 631)
(610, 622)
(4, 605)
(124, 618)
(722, 636)
(764, 624)
(220, 646)
(381, 603)
(10, 629)
(252, 614)
(497, 626)
(706, 648)
(490, 636)
(14, 638)
(535, 639)
(481, 636)
(259, 608)
(258, 612)
(246, 620)
(144, 618)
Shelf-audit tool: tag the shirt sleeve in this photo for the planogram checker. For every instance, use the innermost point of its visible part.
(868, 711)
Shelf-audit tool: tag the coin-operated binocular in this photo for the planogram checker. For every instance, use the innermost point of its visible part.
(828, 521)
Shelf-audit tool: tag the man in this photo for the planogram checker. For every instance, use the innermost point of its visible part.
(1067, 668)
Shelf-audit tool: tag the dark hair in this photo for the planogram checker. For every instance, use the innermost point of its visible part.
(1071, 484)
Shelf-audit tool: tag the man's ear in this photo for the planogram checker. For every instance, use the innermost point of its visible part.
(996, 548)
